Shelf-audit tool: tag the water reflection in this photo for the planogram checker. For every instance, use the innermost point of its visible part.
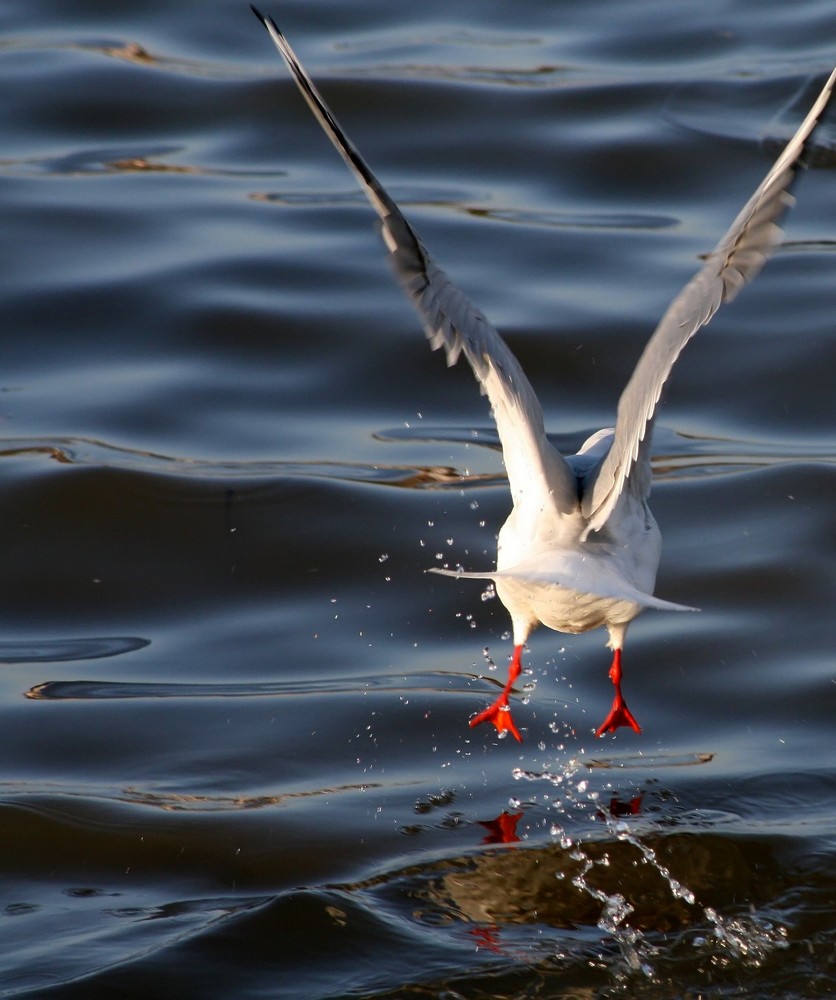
(222, 784)
(64, 650)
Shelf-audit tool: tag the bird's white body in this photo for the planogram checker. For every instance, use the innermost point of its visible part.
(546, 572)
(580, 548)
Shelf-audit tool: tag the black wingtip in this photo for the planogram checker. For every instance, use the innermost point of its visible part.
(266, 20)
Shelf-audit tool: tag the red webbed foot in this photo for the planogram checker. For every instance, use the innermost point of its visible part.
(500, 712)
(620, 715)
(500, 715)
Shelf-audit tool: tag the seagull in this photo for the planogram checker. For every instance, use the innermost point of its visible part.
(580, 548)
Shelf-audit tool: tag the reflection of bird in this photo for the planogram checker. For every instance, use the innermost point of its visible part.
(580, 548)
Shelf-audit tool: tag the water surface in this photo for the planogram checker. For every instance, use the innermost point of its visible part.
(235, 752)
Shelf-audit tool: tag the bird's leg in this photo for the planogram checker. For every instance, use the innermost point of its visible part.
(500, 712)
(620, 714)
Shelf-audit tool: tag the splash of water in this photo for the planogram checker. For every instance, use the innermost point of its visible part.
(748, 939)
(635, 949)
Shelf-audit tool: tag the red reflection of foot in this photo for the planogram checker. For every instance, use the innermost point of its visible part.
(503, 829)
(486, 937)
(500, 712)
(618, 807)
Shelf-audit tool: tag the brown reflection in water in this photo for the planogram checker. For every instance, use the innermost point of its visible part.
(131, 52)
(138, 164)
(537, 885)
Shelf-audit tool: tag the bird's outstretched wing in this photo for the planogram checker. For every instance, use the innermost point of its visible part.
(534, 468)
(736, 259)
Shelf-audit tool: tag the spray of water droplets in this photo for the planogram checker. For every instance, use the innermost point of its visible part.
(748, 938)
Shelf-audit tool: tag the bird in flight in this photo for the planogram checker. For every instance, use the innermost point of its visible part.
(580, 548)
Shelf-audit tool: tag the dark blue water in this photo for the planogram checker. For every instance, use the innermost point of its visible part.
(234, 752)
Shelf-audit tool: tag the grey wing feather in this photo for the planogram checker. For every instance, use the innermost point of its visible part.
(451, 321)
(736, 259)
